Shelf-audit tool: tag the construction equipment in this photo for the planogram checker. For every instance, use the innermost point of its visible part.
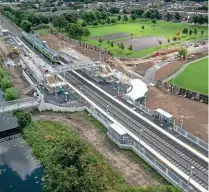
(14, 52)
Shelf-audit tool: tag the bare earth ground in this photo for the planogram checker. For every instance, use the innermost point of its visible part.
(133, 172)
(195, 113)
(145, 42)
(17, 80)
(112, 36)
(56, 43)
(171, 68)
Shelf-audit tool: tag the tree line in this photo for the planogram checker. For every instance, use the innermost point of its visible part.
(197, 19)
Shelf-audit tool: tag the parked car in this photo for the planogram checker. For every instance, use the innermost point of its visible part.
(196, 45)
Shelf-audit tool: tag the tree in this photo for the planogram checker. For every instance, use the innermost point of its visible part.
(195, 31)
(100, 40)
(154, 21)
(112, 44)
(11, 94)
(86, 32)
(23, 118)
(183, 52)
(84, 24)
(54, 9)
(174, 38)
(142, 27)
(72, 18)
(206, 19)
(125, 18)
(130, 48)
(102, 22)
(121, 46)
(168, 40)
(95, 23)
(108, 20)
(168, 16)
(114, 10)
(133, 17)
(185, 31)
(108, 41)
(60, 22)
(119, 17)
(113, 20)
(89, 17)
(177, 16)
(5, 83)
(195, 19)
(201, 19)
(202, 32)
(74, 30)
(26, 25)
(190, 32)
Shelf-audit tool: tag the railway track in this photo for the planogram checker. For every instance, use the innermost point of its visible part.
(173, 152)
(179, 156)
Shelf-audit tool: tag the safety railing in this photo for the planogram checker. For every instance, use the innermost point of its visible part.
(18, 104)
(140, 150)
(176, 128)
(191, 137)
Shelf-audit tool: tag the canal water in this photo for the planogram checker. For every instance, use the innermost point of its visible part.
(19, 170)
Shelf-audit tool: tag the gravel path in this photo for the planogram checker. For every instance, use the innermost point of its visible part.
(133, 172)
(182, 69)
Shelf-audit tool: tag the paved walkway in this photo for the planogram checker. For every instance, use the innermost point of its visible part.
(182, 69)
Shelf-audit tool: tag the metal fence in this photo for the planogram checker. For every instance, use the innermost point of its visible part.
(191, 137)
(176, 128)
(181, 91)
(140, 150)
(144, 109)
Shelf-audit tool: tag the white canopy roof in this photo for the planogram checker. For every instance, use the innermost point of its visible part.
(164, 113)
(139, 88)
(118, 129)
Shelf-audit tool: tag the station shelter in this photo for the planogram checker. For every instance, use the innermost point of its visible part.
(117, 132)
(164, 117)
(136, 92)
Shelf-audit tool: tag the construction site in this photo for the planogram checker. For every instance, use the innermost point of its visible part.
(148, 70)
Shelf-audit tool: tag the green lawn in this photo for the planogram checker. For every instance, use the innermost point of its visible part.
(160, 29)
(194, 77)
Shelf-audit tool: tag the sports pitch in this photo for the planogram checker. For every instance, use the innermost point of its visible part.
(194, 77)
(161, 29)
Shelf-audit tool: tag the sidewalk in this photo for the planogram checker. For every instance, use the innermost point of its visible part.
(182, 69)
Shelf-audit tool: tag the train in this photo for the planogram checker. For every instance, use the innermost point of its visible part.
(42, 47)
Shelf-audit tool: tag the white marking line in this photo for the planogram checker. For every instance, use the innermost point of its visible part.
(148, 121)
(173, 167)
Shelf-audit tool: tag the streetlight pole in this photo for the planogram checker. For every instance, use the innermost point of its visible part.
(140, 138)
(190, 175)
(107, 109)
(182, 121)
(173, 85)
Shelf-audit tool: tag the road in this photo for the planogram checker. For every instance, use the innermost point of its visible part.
(168, 148)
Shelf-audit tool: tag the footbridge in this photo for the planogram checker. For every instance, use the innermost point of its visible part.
(74, 66)
(19, 104)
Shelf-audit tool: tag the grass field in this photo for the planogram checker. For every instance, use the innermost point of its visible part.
(194, 77)
(160, 29)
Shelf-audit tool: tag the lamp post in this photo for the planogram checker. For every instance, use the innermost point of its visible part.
(107, 109)
(173, 85)
(182, 120)
(190, 175)
(140, 131)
